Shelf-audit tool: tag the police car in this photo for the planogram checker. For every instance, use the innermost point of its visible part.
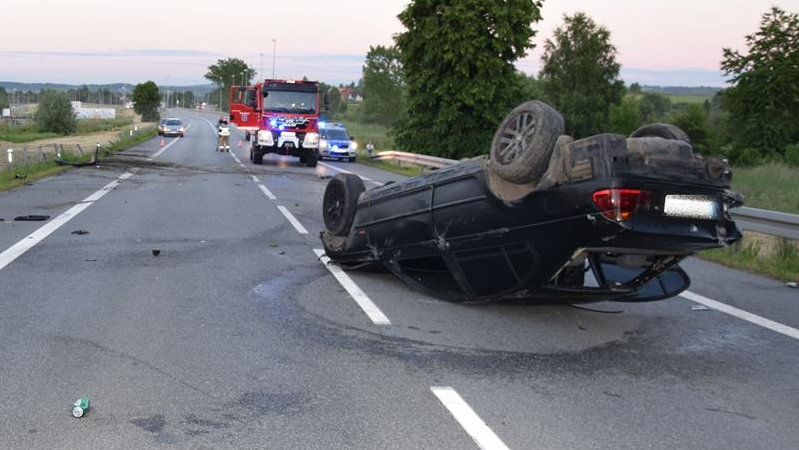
(335, 142)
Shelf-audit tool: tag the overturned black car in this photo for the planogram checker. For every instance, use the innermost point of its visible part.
(539, 213)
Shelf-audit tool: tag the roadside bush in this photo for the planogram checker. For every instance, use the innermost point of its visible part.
(54, 113)
(746, 157)
(792, 154)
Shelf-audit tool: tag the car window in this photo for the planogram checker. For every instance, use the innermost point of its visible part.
(336, 135)
(173, 122)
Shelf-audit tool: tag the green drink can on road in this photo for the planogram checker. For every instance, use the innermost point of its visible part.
(80, 407)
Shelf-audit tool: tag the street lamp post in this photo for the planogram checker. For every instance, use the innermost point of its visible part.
(274, 51)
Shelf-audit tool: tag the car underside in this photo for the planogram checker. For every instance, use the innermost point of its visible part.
(543, 217)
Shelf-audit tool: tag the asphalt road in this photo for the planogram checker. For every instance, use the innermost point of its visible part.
(237, 336)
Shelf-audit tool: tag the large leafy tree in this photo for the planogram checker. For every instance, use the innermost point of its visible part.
(654, 107)
(695, 122)
(3, 98)
(54, 113)
(764, 100)
(146, 99)
(382, 85)
(457, 58)
(229, 72)
(580, 74)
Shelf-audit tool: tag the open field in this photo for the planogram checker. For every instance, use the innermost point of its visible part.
(685, 98)
(770, 186)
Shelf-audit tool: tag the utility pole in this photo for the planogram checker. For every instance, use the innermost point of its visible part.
(274, 51)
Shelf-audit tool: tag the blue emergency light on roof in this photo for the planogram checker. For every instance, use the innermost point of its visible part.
(322, 125)
(273, 123)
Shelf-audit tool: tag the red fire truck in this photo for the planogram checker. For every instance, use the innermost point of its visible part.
(280, 116)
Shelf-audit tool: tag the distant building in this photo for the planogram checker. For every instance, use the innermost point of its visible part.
(348, 93)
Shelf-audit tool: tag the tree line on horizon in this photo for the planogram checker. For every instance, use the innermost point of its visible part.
(448, 80)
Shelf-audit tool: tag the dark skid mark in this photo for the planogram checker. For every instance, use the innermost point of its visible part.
(724, 411)
(194, 420)
(272, 403)
(154, 424)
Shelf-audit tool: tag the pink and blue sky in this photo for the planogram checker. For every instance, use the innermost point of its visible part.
(659, 42)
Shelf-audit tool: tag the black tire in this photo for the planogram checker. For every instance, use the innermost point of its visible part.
(661, 130)
(257, 156)
(352, 158)
(247, 136)
(311, 158)
(524, 142)
(340, 202)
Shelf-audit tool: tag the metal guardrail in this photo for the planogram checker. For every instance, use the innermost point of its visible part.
(764, 221)
(768, 222)
(422, 160)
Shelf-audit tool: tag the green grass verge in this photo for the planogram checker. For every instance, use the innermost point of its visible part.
(366, 132)
(30, 133)
(32, 172)
(756, 253)
(770, 186)
(24, 134)
(95, 125)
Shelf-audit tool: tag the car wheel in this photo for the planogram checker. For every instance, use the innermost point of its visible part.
(247, 136)
(661, 130)
(312, 158)
(257, 157)
(352, 158)
(340, 202)
(523, 144)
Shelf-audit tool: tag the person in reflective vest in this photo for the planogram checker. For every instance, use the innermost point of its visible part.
(223, 129)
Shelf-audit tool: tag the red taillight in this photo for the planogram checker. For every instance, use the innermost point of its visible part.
(620, 204)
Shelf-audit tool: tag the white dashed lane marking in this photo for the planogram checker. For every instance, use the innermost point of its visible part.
(377, 317)
(18, 249)
(292, 220)
(741, 314)
(477, 429)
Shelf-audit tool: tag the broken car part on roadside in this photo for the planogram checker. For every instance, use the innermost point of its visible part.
(538, 213)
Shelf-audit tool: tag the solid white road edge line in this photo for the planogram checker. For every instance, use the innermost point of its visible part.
(338, 169)
(293, 220)
(741, 314)
(159, 152)
(467, 418)
(267, 192)
(27, 243)
(372, 311)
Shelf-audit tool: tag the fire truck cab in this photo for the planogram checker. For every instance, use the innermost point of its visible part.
(282, 116)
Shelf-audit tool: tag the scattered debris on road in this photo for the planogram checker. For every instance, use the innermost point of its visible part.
(792, 284)
(80, 407)
(20, 176)
(80, 232)
(32, 218)
(700, 308)
(156, 252)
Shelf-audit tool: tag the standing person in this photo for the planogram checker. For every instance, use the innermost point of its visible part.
(223, 128)
(370, 148)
